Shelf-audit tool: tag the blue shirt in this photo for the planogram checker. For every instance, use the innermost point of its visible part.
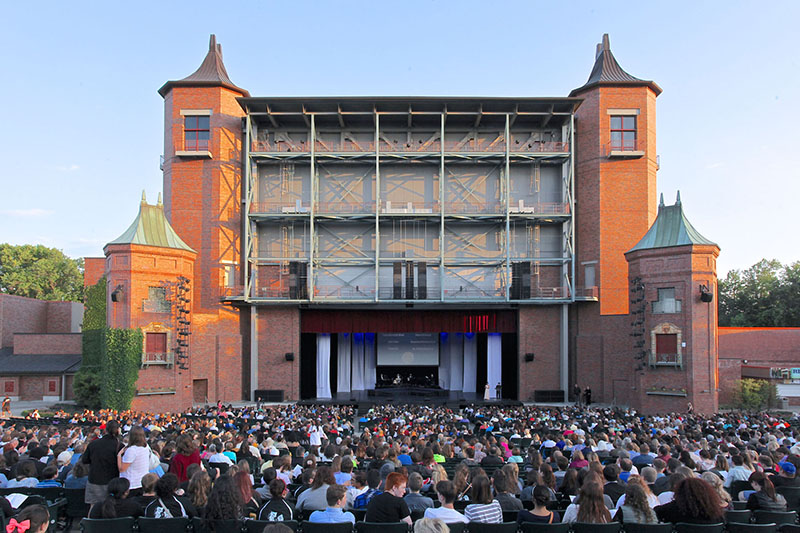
(49, 483)
(331, 515)
(404, 459)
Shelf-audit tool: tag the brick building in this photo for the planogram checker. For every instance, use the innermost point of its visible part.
(333, 247)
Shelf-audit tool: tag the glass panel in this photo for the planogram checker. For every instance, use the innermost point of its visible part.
(616, 138)
(203, 122)
(629, 123)
(190, 136)
(203, 135)
(616, 123)
(190, 123)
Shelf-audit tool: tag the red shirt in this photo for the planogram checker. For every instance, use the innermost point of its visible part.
(181, 462)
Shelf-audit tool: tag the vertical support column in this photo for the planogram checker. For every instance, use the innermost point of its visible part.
(508, 207)
(563, 367)
(377, 204)
(572, 201)
(311, 280)
(246, 249)
(253, 352)
(441, 209)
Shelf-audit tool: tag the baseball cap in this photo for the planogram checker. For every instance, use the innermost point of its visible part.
(788, 468)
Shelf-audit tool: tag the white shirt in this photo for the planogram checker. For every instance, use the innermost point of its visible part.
(448, 516)
(138, 457)
(220, 458)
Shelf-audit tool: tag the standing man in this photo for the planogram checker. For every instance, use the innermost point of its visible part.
(576, 392)
(7, 407)
(101, 456)
(587, 396)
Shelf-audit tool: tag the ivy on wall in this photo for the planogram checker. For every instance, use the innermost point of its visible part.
(88, 379)
(122, 355)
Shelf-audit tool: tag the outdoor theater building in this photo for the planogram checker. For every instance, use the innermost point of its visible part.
(349, 247)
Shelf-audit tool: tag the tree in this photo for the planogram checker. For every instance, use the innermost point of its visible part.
(40, 272)
(765, 295)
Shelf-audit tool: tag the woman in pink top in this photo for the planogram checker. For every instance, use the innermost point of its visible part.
(185, 454)
(578, 461)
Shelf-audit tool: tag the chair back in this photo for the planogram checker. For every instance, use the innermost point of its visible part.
(777, 517)
(313, 527)
(739, 506)
(504, 527)
(537, 527)
(510, 516)
(200, 525)
(162, 525)
(257, 526)
(684, 527)
(417, 514)
(792, 497)
(734, 527)
(737, 487)
(739, 517)
(381, 527)
(585, 527)
(457, 527)
(76, 503)
(108, 525)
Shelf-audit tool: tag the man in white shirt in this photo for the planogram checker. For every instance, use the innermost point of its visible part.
(446, 492)
(218, 457)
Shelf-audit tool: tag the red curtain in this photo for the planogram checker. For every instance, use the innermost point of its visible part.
(330, 321)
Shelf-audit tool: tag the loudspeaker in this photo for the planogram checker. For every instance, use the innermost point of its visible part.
(289, 356)
(397, 280)
(302, 281)
(409, 280)
(115, 296)
(520, 280)
(529, 357)
(705, 297)
(422, 280)
(293, 281)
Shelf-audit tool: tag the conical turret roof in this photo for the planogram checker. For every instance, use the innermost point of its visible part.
(211, 73)
(671, 228)
(607, 71)
(151, 228)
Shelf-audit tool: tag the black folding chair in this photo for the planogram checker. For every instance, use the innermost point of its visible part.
(792, 497)
(378, 527)
(257, 526)
(733, 527)
(684, 527)
(584, 527)
(108, 525)
(200, 525)
(647, 528)
(739, 517)
(776, 517)
(537, 527)
(312, 527)
(162, 525)
(504, 527)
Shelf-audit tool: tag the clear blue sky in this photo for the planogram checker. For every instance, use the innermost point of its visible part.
(83, 123)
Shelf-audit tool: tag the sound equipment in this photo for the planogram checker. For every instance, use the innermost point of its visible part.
(289, 356)
(520, 280)
(409, 280)
(269, 395)
(529, 357)
(422, 280)
(397, 280)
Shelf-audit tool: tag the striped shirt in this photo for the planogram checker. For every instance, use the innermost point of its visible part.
(486, 513)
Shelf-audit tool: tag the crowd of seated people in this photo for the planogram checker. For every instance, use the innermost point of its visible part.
(325, 463)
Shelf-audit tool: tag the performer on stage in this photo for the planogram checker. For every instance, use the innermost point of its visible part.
(498, 389)
(486, 393)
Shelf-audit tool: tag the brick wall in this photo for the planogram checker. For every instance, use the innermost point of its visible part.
(93, 270)
(279, 334)
(55, 343)
(21, 315)
(539, 332)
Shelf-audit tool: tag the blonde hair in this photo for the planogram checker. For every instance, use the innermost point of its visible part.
(431, 525)
(716, 482)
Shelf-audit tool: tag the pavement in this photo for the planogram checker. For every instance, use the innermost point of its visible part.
(18, 407)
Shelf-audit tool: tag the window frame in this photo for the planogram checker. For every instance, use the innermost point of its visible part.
(622, 144)
(196, 144)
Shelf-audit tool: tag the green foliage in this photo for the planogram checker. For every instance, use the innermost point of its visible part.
(754, 394)
(87, 388)
(40, 272)
(122, 356)
(88, 379)
(765, 295)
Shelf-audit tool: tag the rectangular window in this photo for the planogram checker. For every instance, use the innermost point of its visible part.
(623, 133)
(666, 302)
(52, 386)
(8, 387)
(666, 348)
(156, 301)
(196, 132)
(156, 342)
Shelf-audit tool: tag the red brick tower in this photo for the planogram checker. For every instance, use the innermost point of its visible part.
(673, 280)
(202, 188)
(615, 193)
(616, 174)
(143, 266)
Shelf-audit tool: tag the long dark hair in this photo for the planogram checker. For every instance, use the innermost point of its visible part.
(695, 498)
(766, 485)
(117, 488)
(225, 501)
(592, 507)
(481, 490)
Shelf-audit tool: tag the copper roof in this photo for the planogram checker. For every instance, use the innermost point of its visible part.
(671, 228)
(151, 228)
(211, 73)
(607, 71)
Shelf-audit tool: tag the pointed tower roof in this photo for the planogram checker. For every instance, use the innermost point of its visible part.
(671, 228)
(607, 71)
(211, 73)
(151, 228)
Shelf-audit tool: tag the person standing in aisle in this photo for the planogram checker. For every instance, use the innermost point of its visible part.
(101, 456)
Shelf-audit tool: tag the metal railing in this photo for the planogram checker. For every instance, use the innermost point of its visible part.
(286, 207)
(473, 145)
(402, 206)
(345, 207)
(157, 358)
(457, 208)
(339, 292)
(231, 292)
(587, 293)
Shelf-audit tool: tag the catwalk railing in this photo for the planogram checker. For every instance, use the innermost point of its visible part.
(474, 145)
(401, 207)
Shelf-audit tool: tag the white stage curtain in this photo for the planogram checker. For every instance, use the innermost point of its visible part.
(470, 361)
(370, 362)
(456, 349)
(494, 367)
(444, 360)
(358, 361)
(323, 365)
(343, 371)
